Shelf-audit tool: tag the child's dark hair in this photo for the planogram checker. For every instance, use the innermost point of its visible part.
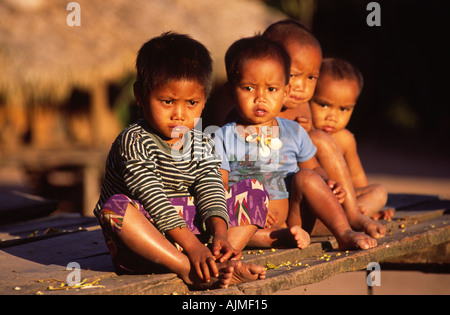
(173, 56)
(255, 47)
(340, 69)
(288, 30)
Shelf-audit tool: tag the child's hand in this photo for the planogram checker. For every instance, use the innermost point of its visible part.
(337, 190)
(305, 122)
(271, 219)
(223, 251)
(203, 262)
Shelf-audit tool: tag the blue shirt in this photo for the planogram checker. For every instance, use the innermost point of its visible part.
(243, 159)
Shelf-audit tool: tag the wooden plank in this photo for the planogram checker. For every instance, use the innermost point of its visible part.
(431, 259)
(44, 159)
(315, 269)
(34, 266)
(33, 230)
(18, 206)
(416, 202)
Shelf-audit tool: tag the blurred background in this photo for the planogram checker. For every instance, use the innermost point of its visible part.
(66, 91)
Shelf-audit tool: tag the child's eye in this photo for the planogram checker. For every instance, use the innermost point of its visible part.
(248, 88)
(167, 102)
(272, 89)
(193, 103)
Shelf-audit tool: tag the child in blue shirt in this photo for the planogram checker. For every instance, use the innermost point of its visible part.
(276, 151)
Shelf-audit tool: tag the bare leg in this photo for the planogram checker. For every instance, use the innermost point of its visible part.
(144, 239)
(279, 237)
(332, 161)
(308, 187)
(371, 199)
(239, 236)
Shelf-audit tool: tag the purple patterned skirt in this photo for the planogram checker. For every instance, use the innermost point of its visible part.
(247, 203)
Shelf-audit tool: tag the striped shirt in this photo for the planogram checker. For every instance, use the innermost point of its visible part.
(144, 167)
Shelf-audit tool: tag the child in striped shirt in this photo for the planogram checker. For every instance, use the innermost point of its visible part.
(163, 185)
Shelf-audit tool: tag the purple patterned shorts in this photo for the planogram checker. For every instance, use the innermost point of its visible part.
(247, 203)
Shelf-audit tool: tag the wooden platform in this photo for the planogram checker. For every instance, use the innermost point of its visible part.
(34, 255)
(18, 206)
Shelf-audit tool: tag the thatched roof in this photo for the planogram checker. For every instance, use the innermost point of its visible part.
(42, 57)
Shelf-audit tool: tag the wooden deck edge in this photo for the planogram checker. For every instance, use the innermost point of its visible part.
(352, 261)
(317, 262)
(417, 234)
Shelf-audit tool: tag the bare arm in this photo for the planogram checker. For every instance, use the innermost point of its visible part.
(337, 188)
(314, 165)
(347, 143)
(199, 255)
(224, 178)
(221, 248)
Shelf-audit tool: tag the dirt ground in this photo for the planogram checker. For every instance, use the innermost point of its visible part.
(391, 283)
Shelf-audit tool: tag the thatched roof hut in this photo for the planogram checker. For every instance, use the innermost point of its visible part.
(42, 58)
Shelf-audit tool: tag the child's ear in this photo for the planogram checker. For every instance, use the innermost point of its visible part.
(137, 90)
(287, 89)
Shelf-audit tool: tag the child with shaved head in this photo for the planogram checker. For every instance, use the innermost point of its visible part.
(306, 59)
(332, 106)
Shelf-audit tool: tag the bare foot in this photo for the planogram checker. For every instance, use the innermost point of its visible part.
(385, 214)
(247, 272)
(350, 239)
(375, 229)
(300, 236)
(294, 236)
(365, 224)
(230, 272)
(280, 237)
(226, 270)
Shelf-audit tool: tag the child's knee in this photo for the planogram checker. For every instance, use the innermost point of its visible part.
(380, 193)
(305, 177)
(376, 193)
(113, 212)
(323, 141)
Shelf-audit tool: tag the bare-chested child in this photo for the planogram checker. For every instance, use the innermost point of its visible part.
(162, 197)
(332, 105)
(278, 152)
(306, 58)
